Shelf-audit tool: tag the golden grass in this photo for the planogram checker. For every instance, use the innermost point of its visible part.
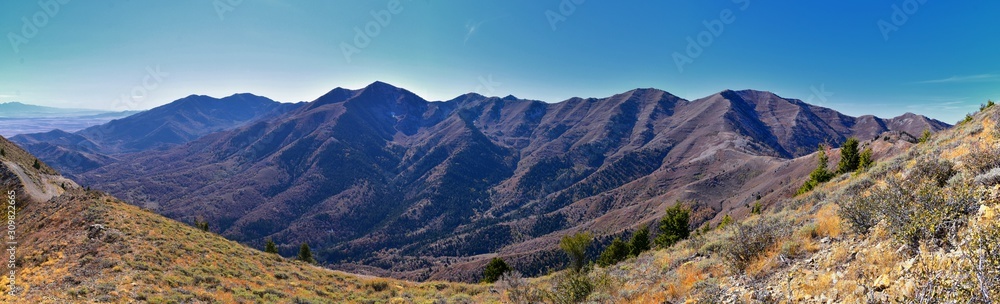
(828, 223)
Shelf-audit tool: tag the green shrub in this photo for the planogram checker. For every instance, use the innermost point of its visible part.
(614, 253)
(570, 287)
(866, 160)
(639, 242)
(494, 269)
(576, 247)
(674, 226)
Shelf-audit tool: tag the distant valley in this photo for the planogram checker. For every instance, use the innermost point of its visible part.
(18, 118)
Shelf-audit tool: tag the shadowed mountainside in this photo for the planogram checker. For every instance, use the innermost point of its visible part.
(384, 182)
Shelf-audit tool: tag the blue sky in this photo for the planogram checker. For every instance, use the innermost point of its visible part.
(858, 57)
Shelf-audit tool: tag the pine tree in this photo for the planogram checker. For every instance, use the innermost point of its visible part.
(201, 224)
(305, 254)
(726, 221)
(614, 253)
(3, 152)
(819, 175)
(639, 242)
(270, 247)
(926, 136)
(36, 165)
(757, 208)
(865, 161)
(674, 226)
(849, 157)
(494, 270)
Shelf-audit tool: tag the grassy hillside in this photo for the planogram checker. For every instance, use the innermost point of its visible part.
(86, 246)
(921, 227)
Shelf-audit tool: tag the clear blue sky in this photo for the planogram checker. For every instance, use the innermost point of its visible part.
(940, 61)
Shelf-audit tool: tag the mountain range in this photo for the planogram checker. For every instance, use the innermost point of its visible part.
(381, 181)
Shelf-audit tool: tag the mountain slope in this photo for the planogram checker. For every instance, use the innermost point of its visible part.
(387, 183)
(78, 245)
(159, 128)
(919, 227)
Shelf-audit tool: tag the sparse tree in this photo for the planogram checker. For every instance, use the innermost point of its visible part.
(614, 253)
(305, 254)
(674, 226)
(3, 152)
(639, 242)
(849, 158)
(270, 247)
(757, 208)
(36, 165)
(726, 220)
(820, 174)
(576, 247)
(494, 270)
(865, 160)
(927, 135)
(201, 224)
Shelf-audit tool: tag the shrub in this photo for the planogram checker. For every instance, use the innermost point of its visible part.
(516, 289)
(849, 157)
(674, 226)
(915, 209)
(576, 247)
(989, 178)
(639, 242)
(937, 171)
(494, 269)
(861, 213)
(614, 253)
(570, 287)
(750, 240)
(981, 159)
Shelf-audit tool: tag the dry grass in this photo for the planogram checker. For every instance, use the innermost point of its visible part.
(828, 223)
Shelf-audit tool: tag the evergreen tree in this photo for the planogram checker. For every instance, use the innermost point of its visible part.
(305, 254)
(865, 161)
(673, 226)
(849, 157)
(639, 242)
(201, 224)
(926, 136)
(614, 253)
(494, 270)
(270, 247)
(726, 220)
(3, 152)
(576, 247)
(819, 175)
(36, 165)
(757, 208)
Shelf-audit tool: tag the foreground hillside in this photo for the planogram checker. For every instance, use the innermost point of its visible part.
(922, 227)
(384, 182)
(86, 246)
